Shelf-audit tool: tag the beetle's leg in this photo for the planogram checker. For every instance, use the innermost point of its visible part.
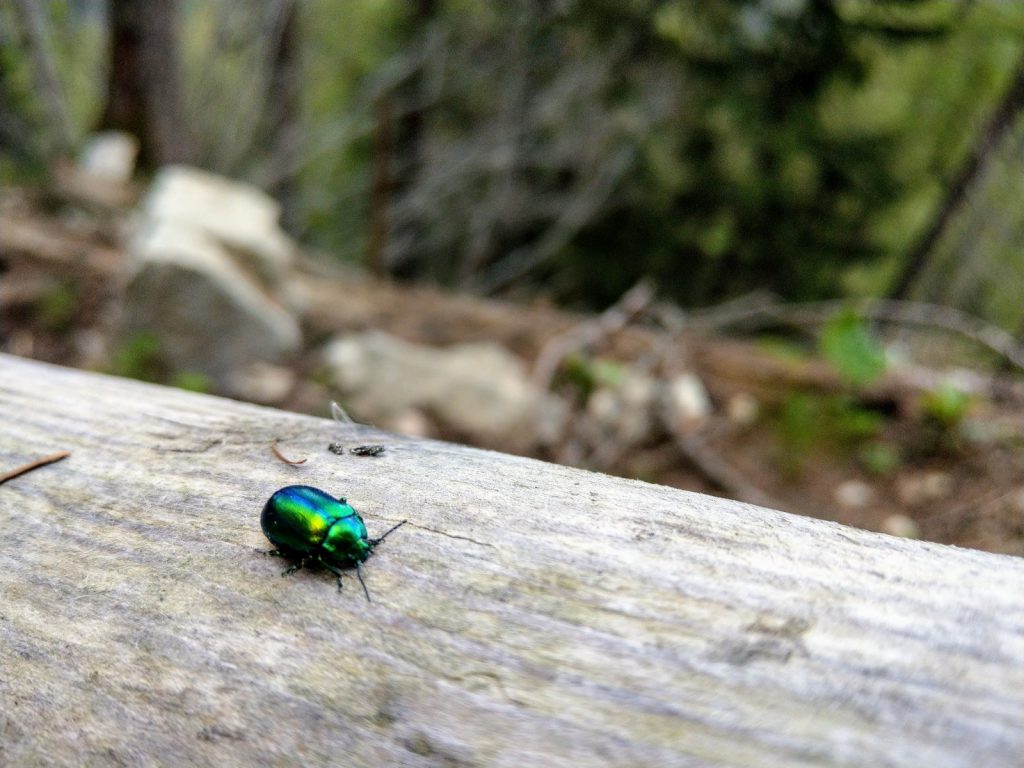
(359, 573)
(295, 567)
(272, 552)
(379, 539)
(335, 571)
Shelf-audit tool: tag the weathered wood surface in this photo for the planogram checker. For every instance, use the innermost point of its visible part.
(529, 614)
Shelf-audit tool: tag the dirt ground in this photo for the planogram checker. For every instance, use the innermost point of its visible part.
(963, 485)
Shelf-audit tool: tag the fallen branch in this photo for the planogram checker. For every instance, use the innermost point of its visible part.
(759, 309)
(533, 610)
(590, 332)
(721, 474)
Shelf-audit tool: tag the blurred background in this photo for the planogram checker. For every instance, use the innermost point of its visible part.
(767, 249)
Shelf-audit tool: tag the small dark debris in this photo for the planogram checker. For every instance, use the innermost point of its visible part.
(214, 733)
(367, 450)
(359, 450)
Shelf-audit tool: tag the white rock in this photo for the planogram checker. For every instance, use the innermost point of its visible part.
(478, 389)
(238, 217)
(206, 312)
(208, 278)
(854, 494)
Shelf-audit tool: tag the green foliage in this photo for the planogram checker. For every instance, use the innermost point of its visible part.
(56, 308)
(946, 406)
(848, 344)
(139, 358)
(768, 191)
(879, 458)
(587, 373)
(193, 381)
(808, 423)
(799, 428)
(851, 423)
(783, 348)
(719, 146)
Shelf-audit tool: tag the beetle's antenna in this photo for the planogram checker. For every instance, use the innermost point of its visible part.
(379, 539)
(359, 573)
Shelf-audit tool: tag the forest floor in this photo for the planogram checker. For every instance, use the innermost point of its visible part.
(782, 428)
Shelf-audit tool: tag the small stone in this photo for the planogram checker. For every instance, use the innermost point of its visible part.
(92, 348)
(625, 412)
(603, 406)
(110, 155)
(410, 422)
(742, 409)
(1016, 499)
(262, 383)
(686, 402)
(854, 494)
(367, 450)
(924, 487)
(901, 525)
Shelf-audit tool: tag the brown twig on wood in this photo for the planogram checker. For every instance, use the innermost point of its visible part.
(282, 457)
(33, 465)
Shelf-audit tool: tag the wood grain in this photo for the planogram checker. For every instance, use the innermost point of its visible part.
(528, 615)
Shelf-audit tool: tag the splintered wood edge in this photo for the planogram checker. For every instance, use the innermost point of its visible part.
(528, 614)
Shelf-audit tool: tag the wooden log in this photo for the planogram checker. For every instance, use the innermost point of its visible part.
(528, 615)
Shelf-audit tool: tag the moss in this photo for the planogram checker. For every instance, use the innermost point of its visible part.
(139, 358)
(55, 310)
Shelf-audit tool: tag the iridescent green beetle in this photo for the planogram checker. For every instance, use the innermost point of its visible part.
(308, 525)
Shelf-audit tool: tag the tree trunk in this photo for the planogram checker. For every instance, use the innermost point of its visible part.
(144, 86)
(998, 126)
(402, 135)
(283, 112)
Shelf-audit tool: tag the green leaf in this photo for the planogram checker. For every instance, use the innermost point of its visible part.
(946, 405)
(853, 351)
